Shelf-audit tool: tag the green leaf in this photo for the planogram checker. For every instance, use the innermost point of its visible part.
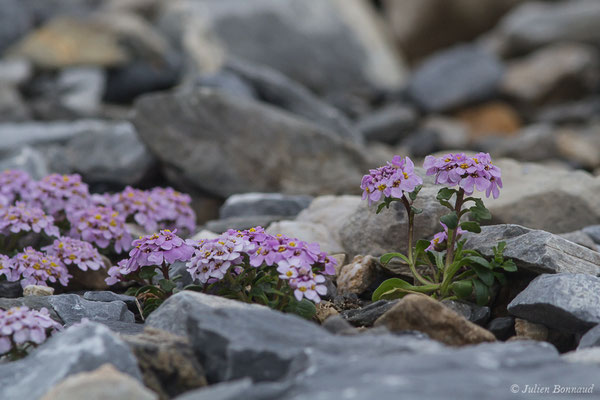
(131, 291)
(414, 193)
(509, 266)
(450, 220)
(479, 212)
(381, 206)
(304, 308)
(501, 278)
(386, 258)
(462, 289)
(148, 272)
(445, 193)
(416, 210)
(481, 292)
(500, 247)
(167, 285)
(439, 260)
(421, 245)
(391, 285)
(484, 274)
(470, 260)
(150, 289)
(471, 226)
(195, 288)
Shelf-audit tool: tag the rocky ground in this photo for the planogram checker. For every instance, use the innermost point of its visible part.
(269, 112)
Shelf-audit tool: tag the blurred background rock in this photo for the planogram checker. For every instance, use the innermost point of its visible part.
(296, 97)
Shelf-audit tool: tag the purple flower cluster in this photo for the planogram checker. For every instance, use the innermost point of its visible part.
(156, 249)
(75, 252)
(20, 325)
(466, 172)
(14, 185)
(156, 208)
(37, 268)
(56, 193)
(100, 225)
(295, 260)
(213, 258)
(391, 180)
(24, 218)
(440, 238)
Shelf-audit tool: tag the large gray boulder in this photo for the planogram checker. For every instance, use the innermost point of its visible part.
(225, 144)
(455, 77)
(535, 250)
(342, 40)
(565, 302)
(78, 349)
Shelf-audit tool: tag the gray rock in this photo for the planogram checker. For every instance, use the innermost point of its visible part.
(502, 327)
(25, 158)
(534, 250)
(15, 71)
(565, 302)
(474, 372)
(308, 232)
(366, 232)
(240, 223)
(108, 296)
(11, 289)
(275, 88)
(554, 73)
(389, 124)
(590, 339)
(536, 142)
(12, 105)
(257, 204)
(123, 328)
(336, 324)
(80, 348)
(593, 231)
(225, 81)
(81, 89)
(113, 155)
(42, 133)
(343, 40)
(70, 308)
(366, 316)
(233, 134)
(531, 197)
(15, 21)
(538, 23)
(583, 356)
(234, 340)
(581, 111)
(474, 313)
(581, 238)
(455, 77)
(331, 211)
(413, 22)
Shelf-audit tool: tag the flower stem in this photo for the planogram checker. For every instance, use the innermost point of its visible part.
(412, 262)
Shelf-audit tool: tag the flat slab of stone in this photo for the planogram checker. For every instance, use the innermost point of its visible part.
(535, 250)
(565, 302)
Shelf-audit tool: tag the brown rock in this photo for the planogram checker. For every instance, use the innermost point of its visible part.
(168, 364)
(422, 313)
(105, 383)
(357, 276)
(325, 309)
(37, 290)
(529, 330)
(495, 118)
(65, 42)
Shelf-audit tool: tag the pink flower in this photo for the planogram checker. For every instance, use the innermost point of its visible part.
(392, 180)
(20, 325)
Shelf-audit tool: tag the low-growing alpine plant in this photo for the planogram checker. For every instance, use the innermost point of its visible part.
(251, 266)
(452, 272)
(22, 329)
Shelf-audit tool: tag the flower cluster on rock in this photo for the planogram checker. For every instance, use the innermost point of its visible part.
(20, 325)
